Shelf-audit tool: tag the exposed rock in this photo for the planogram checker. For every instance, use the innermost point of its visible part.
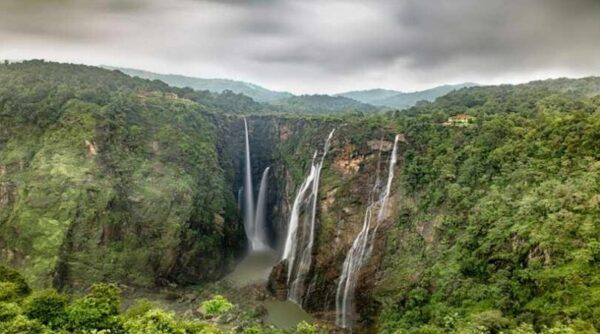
(348, 162)
(260, 310)
(428, 231)
(7, 194)
(154, 146)
(284, 132)
(348, 166)
(91, 148)
(277, 283)
(329, 199)
(380, 145)
(219, 222)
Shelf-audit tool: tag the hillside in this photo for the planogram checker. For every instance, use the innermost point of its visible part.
(256, 92)
(401, 100)
(98, 165)
(490, 224)
(322, 104)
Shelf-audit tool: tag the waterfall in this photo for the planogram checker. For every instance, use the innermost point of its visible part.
(239, 198)
(255, 225)
(362, 246)
(300, 235)
(248, 194)
(260, 231)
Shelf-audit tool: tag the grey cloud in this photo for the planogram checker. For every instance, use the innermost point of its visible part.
(308, 45)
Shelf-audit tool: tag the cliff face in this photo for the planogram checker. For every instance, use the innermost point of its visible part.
(491, 222)
(353, 162)
(110, 183)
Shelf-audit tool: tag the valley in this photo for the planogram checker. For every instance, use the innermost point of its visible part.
(477, 212)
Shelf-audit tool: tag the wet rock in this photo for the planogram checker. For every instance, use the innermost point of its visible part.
(7, 194)
(277, 284)
(380, 145)
(260, 310)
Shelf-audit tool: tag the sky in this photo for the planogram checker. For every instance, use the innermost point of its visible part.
(315, 46)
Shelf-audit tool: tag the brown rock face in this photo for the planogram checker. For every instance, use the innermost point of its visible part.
(277, 284)
(7, 194)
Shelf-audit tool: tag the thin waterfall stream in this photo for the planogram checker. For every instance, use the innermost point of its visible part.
(362, 246)
(260, 220)
(301, 228)
(254, 224)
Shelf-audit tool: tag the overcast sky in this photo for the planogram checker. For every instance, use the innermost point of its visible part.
(312, 46)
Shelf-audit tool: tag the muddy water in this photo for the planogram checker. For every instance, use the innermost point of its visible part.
(255, 269)
(285, 314)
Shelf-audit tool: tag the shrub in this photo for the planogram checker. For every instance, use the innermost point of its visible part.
(198, 327)
(8, 291)
(491, 320)
(306, 328)
(97, 310)
(12, 276)
(8, 311)
(157, 321)
(139, 308)
(522, 329)
(216, 306)
(22, 325)
(430, 329)
(47, 306)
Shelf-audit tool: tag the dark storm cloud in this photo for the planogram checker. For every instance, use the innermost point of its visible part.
(313, 45)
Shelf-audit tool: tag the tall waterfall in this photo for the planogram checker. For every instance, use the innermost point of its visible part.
(301, 228)
(255, 225)
(260, 231)
(361, 248)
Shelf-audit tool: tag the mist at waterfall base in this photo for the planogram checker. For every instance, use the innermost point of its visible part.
(254, 217)
(301, 229)
(300, 235)
(362, 246)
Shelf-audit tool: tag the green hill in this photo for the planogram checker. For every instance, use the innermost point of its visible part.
(256, 92)
(401, 100)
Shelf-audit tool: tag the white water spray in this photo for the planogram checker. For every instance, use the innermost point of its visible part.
(362, 246)
(260, 222)
(300, 236)
(248, 192)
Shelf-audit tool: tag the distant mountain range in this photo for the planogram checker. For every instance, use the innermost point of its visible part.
(363, 100)
(322, 104)
(400, 100)
(257, 93)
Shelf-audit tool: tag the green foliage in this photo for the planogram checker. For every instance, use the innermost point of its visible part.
(99, 309)
(154, 322)
(8, 291)
(8, 311)
(107, 177)
(509, 204)
(139, 308)
(47, 306)
(17, 283)
(306, 328)
(216, 306)
(22, 325)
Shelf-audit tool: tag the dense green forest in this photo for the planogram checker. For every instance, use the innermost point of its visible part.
(96, 164)
(109, 181)
(499, 223)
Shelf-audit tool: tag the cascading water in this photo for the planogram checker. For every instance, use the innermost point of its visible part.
(239, 198)
(300, 235)
(362, 246)
(248, 194)
(260, 232)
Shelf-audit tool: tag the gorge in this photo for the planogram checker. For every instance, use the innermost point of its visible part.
(479, 209)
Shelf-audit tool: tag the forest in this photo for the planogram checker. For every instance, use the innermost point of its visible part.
(109, 182)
